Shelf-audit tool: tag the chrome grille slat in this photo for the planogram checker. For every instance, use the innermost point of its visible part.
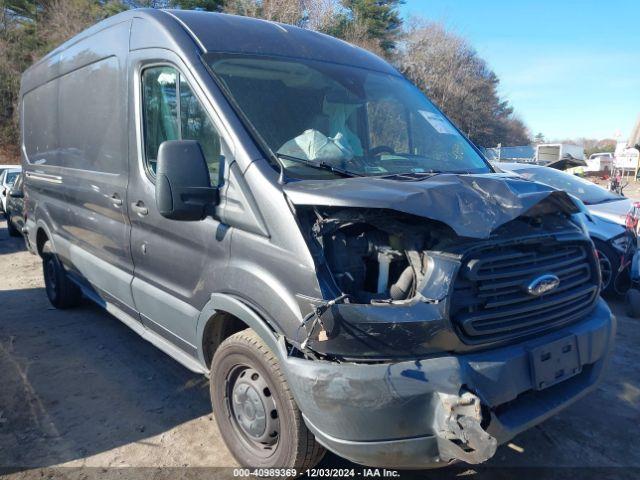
(564, 309)
(516, 259)
(564, 286)
(490, 299)
(538, 267)
(518, 281)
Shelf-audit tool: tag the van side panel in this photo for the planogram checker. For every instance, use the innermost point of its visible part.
(40, 153)
(94, 148)
(88, 100)
(91, 132)
(40, 112)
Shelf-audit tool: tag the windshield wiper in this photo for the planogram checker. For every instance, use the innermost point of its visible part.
(411, 176)
(321, 165)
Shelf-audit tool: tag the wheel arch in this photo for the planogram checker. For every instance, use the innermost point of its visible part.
(42, 236)
(222, 316)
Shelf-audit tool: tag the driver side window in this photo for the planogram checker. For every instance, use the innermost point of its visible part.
(171, 111)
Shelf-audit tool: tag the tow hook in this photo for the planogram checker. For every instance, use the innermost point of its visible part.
(460, 435)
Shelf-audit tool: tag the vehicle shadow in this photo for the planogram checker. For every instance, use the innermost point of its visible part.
(76, 383)
(9, 244)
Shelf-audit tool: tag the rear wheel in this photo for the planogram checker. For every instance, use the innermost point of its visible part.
(61, 291)
(255, 410)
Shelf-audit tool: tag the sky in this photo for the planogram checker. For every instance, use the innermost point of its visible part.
(570, 68)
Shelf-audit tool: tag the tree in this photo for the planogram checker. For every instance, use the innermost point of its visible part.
(31, 28)
(206, 5)
(379, 20)
(371, 24)
(460, 83)
(539, 138)
(443, 65)
(283, 11)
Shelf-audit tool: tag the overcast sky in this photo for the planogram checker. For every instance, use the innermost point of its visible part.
(570, 68)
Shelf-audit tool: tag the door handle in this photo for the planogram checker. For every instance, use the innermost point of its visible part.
(140, 208)
(116, 200)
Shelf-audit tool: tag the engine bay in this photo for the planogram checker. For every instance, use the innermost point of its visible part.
(377, 256)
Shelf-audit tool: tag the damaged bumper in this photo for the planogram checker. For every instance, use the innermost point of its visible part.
(430, 412)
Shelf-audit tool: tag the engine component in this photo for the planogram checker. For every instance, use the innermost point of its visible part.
(402, 288)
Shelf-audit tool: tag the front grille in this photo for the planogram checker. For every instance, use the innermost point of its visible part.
(490, 300)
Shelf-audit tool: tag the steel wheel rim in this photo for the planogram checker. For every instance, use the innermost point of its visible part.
(606, 269)
(252, 410)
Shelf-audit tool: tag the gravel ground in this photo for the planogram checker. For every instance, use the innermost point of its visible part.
(79, 389)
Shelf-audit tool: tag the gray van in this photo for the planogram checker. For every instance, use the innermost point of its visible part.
(286, 214)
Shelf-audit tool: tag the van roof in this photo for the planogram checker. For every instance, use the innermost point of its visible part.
(219, 32)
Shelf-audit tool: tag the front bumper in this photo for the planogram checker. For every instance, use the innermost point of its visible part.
(430, 412)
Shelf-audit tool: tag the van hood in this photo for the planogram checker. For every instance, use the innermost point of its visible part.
(472, 205)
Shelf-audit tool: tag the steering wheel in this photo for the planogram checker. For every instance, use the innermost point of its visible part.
(380, 149)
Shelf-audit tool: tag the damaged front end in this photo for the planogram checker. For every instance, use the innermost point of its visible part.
(387, 273)
(424, 329)
(388, 255)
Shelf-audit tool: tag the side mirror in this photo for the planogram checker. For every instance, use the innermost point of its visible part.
(183, 186)
(16, 193)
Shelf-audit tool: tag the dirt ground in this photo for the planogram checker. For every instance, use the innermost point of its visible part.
(79, 389)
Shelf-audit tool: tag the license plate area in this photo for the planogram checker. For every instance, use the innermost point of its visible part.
(554, 362)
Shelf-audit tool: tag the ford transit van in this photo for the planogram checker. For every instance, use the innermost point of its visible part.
(286, 214)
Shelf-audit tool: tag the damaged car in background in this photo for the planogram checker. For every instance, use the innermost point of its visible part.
(307, 229)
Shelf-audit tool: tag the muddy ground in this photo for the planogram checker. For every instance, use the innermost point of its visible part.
(79, 389)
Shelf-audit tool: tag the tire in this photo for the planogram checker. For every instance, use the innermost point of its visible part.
(61, 291)
(609, 261)
(244, 374)
(632, 303)
(13, 231)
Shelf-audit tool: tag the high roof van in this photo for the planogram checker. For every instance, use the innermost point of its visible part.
(288, 215)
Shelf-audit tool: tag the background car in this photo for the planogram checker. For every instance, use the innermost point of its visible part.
(14, 211)
(7, 179)
(607, 213)
(5, 167)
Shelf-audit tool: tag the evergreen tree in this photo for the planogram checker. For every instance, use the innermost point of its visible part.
(380, 18)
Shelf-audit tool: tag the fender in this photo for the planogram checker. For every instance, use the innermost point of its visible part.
(41, 224)
(234, 306)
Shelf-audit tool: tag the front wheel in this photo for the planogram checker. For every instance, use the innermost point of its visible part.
(255, 410)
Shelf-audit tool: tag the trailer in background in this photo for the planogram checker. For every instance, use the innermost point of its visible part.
(600, 163)
(626, 159)
(552, 152)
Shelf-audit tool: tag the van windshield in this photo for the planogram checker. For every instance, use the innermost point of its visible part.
(351, 120)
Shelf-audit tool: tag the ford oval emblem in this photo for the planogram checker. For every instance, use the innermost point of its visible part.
(542, 284)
